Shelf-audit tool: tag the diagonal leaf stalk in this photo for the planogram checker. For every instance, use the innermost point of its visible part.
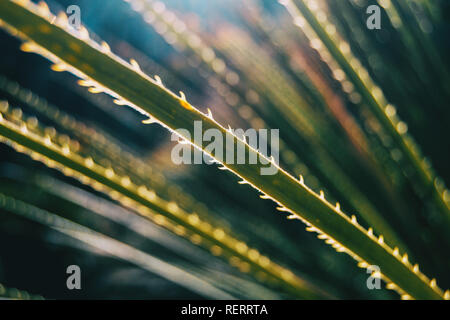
(97, 144)
(105, 150)
(198, 263)
(146, 203)
(338, 55)
(348, 20)
(32, 124)
(220, 76)
(96, 65)
(281, 94)
(338, 178)
(114, 247)
(181, 38)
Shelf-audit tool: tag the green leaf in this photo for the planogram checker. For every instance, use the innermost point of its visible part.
(98, 67)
